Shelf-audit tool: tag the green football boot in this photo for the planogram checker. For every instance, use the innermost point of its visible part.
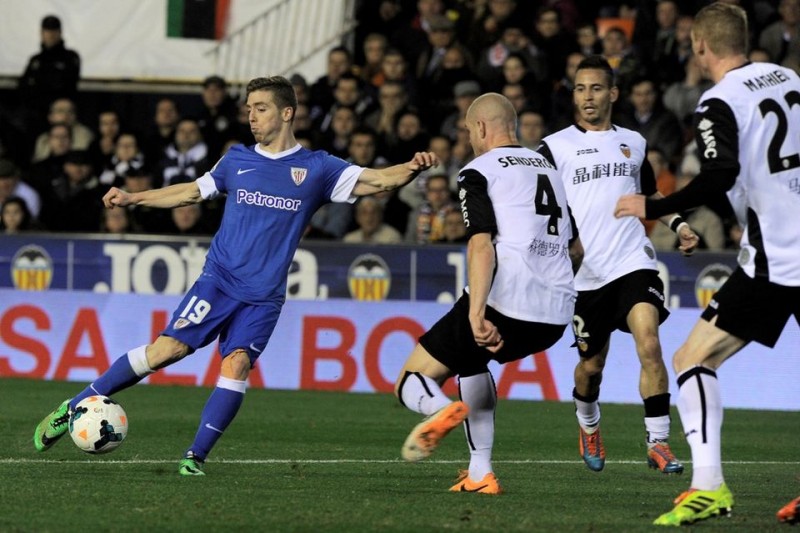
(52, 428)
(191, 465)
(694, 505)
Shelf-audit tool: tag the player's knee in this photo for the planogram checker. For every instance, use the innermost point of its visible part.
(593, 365)
(165, 351)
(236, 365)
(681, 360)
(649, 349)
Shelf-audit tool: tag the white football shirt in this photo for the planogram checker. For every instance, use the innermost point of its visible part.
(750, 121)
(597, 167)
(514, 194)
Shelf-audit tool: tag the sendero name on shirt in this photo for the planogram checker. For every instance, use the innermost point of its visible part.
(525, 161)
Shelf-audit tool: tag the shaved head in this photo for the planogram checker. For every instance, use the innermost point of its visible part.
(491, 121)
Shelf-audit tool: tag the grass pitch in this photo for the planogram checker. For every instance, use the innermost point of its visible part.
(321, 461)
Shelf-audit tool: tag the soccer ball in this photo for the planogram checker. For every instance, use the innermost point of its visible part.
(98, 424)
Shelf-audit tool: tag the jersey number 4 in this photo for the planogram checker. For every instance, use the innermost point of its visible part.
(778, 163)
(547, 204)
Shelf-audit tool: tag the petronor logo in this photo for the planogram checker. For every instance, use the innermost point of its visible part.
(32, 269)
(369, 278)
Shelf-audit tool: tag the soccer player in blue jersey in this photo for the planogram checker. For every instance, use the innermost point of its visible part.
(273, 188)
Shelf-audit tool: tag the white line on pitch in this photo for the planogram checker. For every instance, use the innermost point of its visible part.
(11, 460)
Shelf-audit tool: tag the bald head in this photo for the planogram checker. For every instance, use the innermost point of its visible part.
(492, 122)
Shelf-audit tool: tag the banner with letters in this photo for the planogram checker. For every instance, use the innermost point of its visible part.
(320, 270)
(347, 345)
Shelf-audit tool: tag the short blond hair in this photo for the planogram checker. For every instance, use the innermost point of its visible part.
(724, 28)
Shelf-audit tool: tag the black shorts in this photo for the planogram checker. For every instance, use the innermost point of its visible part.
(753, 309)
(450, 340)
(600, 312)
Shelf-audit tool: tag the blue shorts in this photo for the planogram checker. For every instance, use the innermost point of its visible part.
(207, 313)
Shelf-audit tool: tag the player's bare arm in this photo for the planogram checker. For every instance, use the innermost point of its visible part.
(480, 265)
(165, 198)
(576, 254)
(374, 180)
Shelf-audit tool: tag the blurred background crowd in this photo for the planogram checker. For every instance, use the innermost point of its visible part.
(400, 83)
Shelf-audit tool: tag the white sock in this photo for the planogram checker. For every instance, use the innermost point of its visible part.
(588, 414)
(421, 394)
(700, 407)
(480, 395)
(657, 428)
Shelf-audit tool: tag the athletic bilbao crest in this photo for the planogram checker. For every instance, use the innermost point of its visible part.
(369, 278)
(32, 269)
(709, 281)
(299, 175)
(626, 150)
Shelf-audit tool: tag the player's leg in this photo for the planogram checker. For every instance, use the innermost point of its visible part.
(700, 409)
(586, 396)
(790, 513)
(643, 320)
(243, 339)
(418, 387)
(125, 372)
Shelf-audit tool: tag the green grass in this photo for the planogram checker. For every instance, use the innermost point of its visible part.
(321, 461)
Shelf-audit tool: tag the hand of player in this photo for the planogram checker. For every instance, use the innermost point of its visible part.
(116, 198)
(486, 334)
(688, 239)
(630, 205)
(423, 161)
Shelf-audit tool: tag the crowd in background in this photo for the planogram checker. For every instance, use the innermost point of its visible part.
(402, 84)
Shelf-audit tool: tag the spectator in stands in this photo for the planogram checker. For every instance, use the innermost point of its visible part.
(411, 137)
(532, 128)
(186, 159)
(663, 42)
(515, 92)
(670, 65)
(392, 101)
(758, 55)
(217, 117)
(553, 42)
(488, 27)
(42, 173)
(665, 181)
(188, 220)
(563, 108)
(371, 227)
(781, 39)
(75, 200)
(348, 92)
(412, 38)
(513, 39)
(127, 155)
(681, 97)
(336, 139)
(62, 111)
(454, 232)
(589, 42)
(300, 86)
(619, 54)
(443, 148)
(375, 45)
(321, 93)
(11, 186)
(302, 119)
(52, 73)
(462, 149)
(647, 115)
(464, 93)
(15, 216)
(116, 221)
(426, 222)
(395, 68)
(144, 219)
(103, 146)
(162, 130)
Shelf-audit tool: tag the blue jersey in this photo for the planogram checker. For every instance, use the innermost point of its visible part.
(271, 198)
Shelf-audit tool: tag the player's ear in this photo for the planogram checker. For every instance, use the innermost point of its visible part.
(288, 114)
(613, 94)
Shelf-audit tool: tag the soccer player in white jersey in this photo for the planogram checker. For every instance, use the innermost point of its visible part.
(618, 284)
(273, 188)
(747, 128)
(520, 297)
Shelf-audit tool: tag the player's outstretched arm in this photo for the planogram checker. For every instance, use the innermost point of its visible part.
(374, 180)
(166, 197)
(687, 237)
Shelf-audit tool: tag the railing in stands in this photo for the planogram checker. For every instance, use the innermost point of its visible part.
(283, 37)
